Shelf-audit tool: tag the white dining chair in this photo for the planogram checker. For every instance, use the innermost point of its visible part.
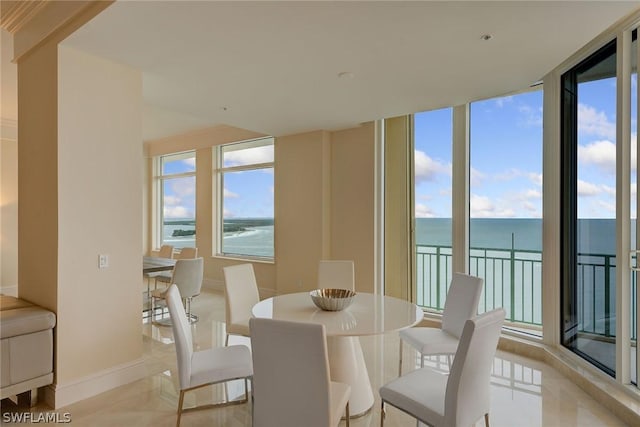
(164, 277)
(460, 398)
(241, 294)
(187, 276)
(336, 274)
(291, 386)
(461, 304)
(201, 368)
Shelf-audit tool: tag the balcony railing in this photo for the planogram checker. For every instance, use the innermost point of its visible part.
(513, 280)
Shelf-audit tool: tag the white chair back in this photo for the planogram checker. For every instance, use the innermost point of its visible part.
(188, 253)
(166, 251)
(181, 335)
(290, 374)
(461, 303)
(467, 394)
(241, 293)
(187, 275)
(336, 274)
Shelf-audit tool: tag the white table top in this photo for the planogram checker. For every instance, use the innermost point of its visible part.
(368, 314)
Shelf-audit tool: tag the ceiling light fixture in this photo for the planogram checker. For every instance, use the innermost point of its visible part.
(486, 37)
(346, 75)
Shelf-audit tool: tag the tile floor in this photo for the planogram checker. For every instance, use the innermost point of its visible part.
(524, 392)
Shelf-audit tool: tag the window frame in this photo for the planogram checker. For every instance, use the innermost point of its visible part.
(218, 194)
(158, 188)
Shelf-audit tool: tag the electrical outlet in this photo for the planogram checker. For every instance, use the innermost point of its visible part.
(103, 261)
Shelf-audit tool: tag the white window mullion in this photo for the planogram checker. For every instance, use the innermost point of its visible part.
(461, 184)
(637, 236)
(623, 212)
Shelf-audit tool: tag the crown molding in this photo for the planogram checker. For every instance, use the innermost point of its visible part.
(15, 14)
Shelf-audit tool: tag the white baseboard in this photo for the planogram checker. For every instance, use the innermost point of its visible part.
(11, 291)
(59, 395)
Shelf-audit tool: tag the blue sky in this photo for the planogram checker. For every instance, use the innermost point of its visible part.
(506, 156)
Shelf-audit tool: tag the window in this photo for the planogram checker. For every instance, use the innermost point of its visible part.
(433, 139)
(505, 204)
(245, 199)
(176, 185)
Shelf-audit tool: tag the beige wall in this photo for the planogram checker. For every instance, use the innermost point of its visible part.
(352, 201)
(301, 177)
(38, 177)
(324, 203)
(78, 159)
(8, 214)
(100, 211)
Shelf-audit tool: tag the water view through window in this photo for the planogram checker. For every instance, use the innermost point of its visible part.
(178, 186)
(505, 230)
(505, 204)
(245, 176)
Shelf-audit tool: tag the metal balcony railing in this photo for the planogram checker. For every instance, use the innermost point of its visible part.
(513, 280)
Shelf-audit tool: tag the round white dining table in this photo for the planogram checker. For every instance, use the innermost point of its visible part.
(368, 314)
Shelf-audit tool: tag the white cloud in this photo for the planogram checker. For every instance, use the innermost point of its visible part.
(423, 211)
(191, 161)
(183, 187)
(427, 169)
(508, 175)
(531, 208)
(593, 122)
(177, 212)
(230, 194)
(532, 194)
(603, 155)
(536, 178)
(171, 200)
(530, 116)
(607, 207)
(600, 153)
(477, 177)
(500, 102)
(483, 207)
(588, 189)
(249, 156)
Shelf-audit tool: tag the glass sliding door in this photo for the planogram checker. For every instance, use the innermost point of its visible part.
(589, 209)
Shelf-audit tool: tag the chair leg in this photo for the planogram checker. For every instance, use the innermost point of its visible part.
(421, 360)
(486, 420)
(382, 414)
(180, 401)
(226, 341)
(347, 415)
(400, 361)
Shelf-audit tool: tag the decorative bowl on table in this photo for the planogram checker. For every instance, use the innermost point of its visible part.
(332, 299)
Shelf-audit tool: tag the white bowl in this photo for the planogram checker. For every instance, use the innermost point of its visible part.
(332, 299)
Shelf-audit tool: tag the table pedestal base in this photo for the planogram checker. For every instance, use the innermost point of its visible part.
(346, 363)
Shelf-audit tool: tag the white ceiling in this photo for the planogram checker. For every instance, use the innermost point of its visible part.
(273, 67)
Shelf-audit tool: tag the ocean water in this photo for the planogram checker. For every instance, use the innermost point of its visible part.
(595, 235)
(253, 238)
